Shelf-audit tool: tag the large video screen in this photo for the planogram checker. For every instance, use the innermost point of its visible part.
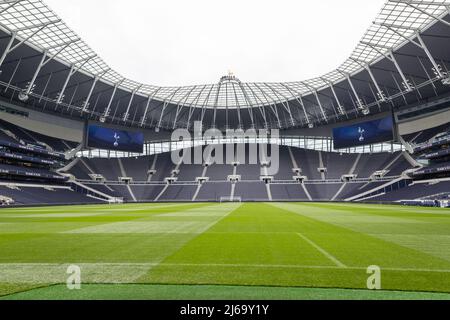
(112, 139)
(376, 131)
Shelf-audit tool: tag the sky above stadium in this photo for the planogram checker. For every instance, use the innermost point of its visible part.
(179, 42)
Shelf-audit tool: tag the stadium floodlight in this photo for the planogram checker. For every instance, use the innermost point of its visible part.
(445, 77)
(23, 96)
(446, 81)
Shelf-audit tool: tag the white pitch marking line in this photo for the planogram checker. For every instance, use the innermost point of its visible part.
(324, 252)
(15, 266)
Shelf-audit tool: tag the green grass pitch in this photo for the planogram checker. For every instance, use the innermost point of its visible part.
(225, 251)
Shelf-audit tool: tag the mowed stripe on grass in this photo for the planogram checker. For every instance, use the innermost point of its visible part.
(42, 255)
(262, 234)
(286, 244)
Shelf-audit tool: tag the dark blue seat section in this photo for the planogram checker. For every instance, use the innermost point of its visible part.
(250, 187)
(38, 196)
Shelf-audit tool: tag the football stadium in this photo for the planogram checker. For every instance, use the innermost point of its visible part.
(334, 187)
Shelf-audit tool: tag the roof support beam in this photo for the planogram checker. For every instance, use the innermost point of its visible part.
(406, 83)
(249, 104)
(88, 98)
(359, 102)
(274, 108)
(308, 120)
(50, 58)
(216, 102)
(127, 113)
(177, 113)
(38, 69)
(399, 88)
(428, 75)
(380, 93)
(69, 105)
(436, 68)
(91, 90)
(413, 4)
(63, 45)
(12, 4)
(341, 109)
(203, 111)
(72, 71)
(314, 92)
(390, 56)
(40, 27)
(424, 2)
(45, 87)
(238, 106)
(283, 100)
(144, 116)
(108, 108)
(61, 94)
(299, 99)
(191, 108)
(165, 104)
(260, 108)
(179, 105)
(8, 48)
(149, 100)
(324, 115)
(13, 75)
(14, 34)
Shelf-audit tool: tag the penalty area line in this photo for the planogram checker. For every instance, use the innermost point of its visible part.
(323, 251)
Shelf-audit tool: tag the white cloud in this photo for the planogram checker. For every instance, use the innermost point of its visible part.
(179, 42)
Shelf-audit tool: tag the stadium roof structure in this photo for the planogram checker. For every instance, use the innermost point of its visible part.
(402, 59)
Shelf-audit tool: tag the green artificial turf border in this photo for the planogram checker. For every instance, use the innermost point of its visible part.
(212, 292)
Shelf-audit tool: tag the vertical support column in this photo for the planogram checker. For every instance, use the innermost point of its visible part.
(86, 103)
(381, 94)
(61, 94)
(162, 114)
(320, 106)
(359, 102)
(125, 117)
(13, 74)
(31, 84)
(436, 67)
(308, 121)
(149, 100)
(400, 71)
(8, 48)
(106, 113)
(341, 109)
(144, 116)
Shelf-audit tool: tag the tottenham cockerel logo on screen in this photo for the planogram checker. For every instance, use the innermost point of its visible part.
(361, 132)
(116, 139)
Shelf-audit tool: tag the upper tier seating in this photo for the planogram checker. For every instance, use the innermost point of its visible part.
(34, 138)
